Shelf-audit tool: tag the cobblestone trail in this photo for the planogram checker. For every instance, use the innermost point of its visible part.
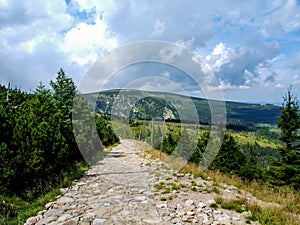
(127, 187)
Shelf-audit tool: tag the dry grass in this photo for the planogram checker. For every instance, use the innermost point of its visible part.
(155, 154)
(285, 201)
(109, 148)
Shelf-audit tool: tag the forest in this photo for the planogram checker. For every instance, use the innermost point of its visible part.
(38, 151)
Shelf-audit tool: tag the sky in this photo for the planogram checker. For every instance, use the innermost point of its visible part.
(252, 47)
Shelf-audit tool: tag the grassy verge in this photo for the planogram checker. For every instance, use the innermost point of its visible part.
(264, 215)
(109, 148)
(286, 207)
(15, 210)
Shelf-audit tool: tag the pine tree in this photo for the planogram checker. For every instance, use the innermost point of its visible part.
(252, 170)
(229, 159)
(287, 170)
(64, 90)
(200, 149)
(289, 121)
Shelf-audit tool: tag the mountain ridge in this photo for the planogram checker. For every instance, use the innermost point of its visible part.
(238, 113)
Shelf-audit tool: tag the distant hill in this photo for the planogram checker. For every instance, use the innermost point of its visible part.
(146, 105)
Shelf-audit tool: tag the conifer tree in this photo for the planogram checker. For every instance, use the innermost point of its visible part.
(287, 170)
(64, 90)
(289, 121)
(229, 159)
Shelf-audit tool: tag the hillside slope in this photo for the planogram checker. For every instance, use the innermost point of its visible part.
(145, 105)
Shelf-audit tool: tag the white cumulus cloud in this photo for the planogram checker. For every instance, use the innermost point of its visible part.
(85, 42)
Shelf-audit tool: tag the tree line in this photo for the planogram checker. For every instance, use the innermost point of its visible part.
(250, 161)
(37, 144)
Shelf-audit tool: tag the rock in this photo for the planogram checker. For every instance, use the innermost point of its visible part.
(217, 212)
(225, 223)
(153, 220)
(203, 217)
(246, 214)
(69, 206)
(63, 190)
(53, 212)
(142, 191)
(201, 205)
(41, 213)
(138, 218)
(186, 218)
(125, 212)
(195, 221)
(64, 200)
(70, 222)
(211, 201)
(187, 175)
(181, 212)
(98, 221)
(81, 223)
(91, 174)
(190, 213)
(46, 220)
(140, 198)
(179, 174)
(49, 205)
(188, 203)
(32, 220)
(190, 208)
(88, 217)
(64, 217)
(176, 220)
(162, 206)
(200, 183)
(222, 217)
(178, 206)
(236, 218)
(80, 184)
(167, 218)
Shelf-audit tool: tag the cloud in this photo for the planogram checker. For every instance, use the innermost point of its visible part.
(282, 16)
(29, 41)
(296, 80)
(94, 8)
(159, 28)
(85, 42)
(162, 20)
(39, 37)
(219, 56)
(139, 71)
(157, 83)
(294, 63)
(241, 41)
(240, 66)
(270, 79)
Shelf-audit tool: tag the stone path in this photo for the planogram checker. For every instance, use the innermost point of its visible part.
(127, 187)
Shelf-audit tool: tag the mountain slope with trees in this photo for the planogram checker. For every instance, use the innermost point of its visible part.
(240, 116)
